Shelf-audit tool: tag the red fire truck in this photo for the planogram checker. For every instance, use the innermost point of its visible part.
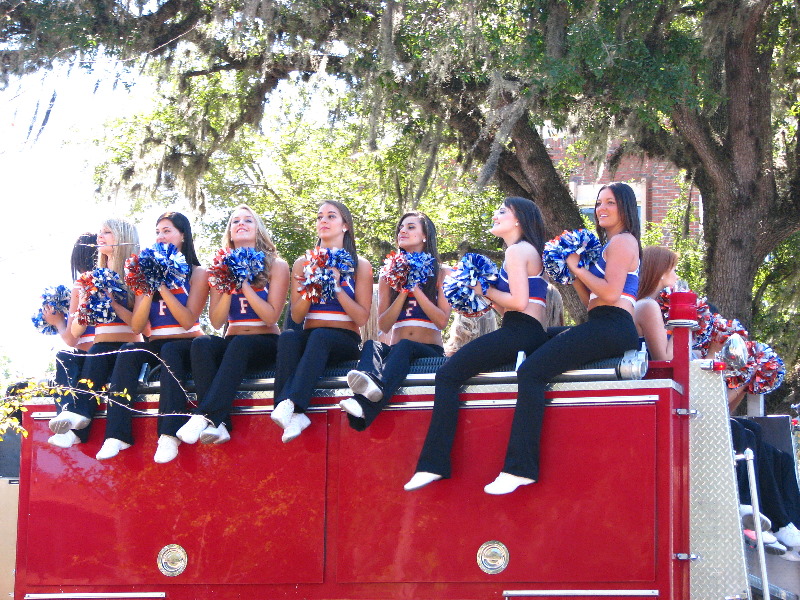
(617, 512)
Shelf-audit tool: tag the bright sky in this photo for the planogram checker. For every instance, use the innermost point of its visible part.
(47, 195)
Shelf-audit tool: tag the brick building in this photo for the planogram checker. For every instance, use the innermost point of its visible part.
(656, 182)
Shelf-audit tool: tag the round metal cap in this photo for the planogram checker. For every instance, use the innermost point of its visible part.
(493, 557)
(172, 560)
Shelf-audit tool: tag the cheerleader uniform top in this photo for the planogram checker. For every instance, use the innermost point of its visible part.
(241, 314)
(115, 326)
(162, 322)
(412, 315)
(87, 337)
(537, 286)
(332, 310)
(631, 287)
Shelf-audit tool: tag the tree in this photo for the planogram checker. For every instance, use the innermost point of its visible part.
(712, 86)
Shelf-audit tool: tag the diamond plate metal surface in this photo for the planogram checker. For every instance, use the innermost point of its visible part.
(715, 527)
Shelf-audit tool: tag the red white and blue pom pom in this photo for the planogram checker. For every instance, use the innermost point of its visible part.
(56, 298)
(721, 329)
(702, 336)
(96, 289)
(395, 270)
(769, 369)
(232, 267)
(405, 270)
(582, 242)
(471, 270)
(160, 265)
(318, 283)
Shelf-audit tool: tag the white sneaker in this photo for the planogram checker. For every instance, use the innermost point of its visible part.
(215, 435)
(64, 440)
(789, 536)
(766, 536)
(110, 448)
(68, 420)
(420, 480)
(361, 383)
(791, 554)
(748, 521)
(352, 407)
(506, 483)
(298, 423)
(192, 429)
(282, 413)
(167, 449)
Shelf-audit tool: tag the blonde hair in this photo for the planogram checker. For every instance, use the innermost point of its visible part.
(465, 329)
(126, 242)
(264, 243)
(554, 313)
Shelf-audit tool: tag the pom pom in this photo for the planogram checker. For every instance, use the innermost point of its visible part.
(471, 270)
(405, 270)
(56, 298)
(232, 267)
(581, 242)
(395, 270)
(769, 370)
(96, 289)
(720, 328)
(160, 265)
(318, 283)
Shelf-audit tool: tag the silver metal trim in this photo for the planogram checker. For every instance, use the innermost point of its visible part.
(88, 595)
(501, 556)
(588, 593)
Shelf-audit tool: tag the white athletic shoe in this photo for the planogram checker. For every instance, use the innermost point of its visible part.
(789, 536)
(64, 440)
(282, 413)
(110, 448)
(167, 449)
(352, 407)
(215, 435)
(296, 426)
(361, 383)
(506, 483)
(420, 480)
(192, 429)
(68, 420)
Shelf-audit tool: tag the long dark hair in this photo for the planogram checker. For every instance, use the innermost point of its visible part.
(628, 210)
(431, 247)
(530, 220)
(349, 242)
(84, 254)
(183, 225)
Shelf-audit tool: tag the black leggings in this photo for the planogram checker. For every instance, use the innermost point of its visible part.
(519, 332)
(173, 355)
(388, 367)
(303, 356)
(609, 332)
(69, 365)
(219, 365)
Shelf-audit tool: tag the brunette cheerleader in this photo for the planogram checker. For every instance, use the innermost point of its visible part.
(415, 317)
(330, 328)
(609, 288)
(519, 295)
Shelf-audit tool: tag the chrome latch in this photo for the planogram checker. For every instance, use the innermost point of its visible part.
(687, 412)
(685, 556)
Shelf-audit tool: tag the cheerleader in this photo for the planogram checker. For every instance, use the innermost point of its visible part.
(70, 363)
(172, 318)
(657, 272)
(520, 295)
(415, 319)
(116, 240)
(330, 329)
(250, 316)
(609, 288)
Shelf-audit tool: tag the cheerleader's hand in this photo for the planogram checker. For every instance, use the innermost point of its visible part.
(572, 261)
(337, 276)
(52, 316)
(478, 289)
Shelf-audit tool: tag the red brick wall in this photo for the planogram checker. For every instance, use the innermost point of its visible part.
(660, 179)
